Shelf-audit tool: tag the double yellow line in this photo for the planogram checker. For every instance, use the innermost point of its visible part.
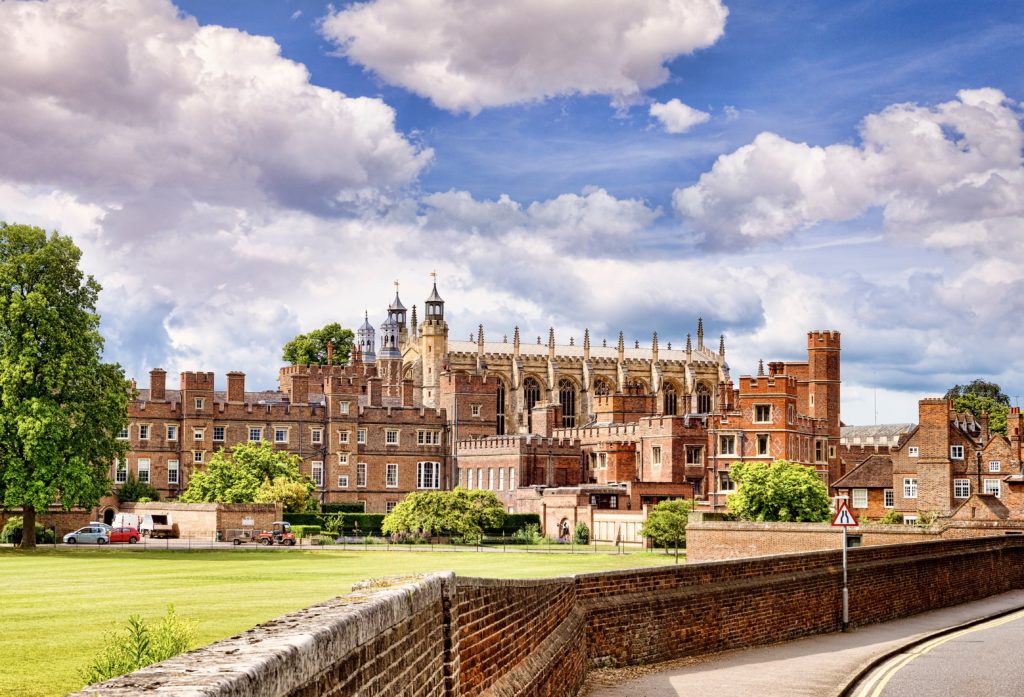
(880, 677)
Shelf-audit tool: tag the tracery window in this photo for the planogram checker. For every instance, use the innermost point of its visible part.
(703, 399)
(671, 400)
(499, 424)
(567, 398)
(602, 388)
(531, 393)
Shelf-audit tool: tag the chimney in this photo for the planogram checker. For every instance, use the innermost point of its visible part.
(236, 387)
(330, 353)
(300, 389)
(983, 423)
(157, 385)
(775, 368)
(1015, 429)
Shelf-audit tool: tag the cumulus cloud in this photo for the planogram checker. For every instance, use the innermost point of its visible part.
(950, 176)
(676, 117)
(116, 100)
(466, 55)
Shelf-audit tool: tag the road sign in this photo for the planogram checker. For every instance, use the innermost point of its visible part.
(844, 518)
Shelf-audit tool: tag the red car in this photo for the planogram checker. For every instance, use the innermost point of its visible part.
(129, 535)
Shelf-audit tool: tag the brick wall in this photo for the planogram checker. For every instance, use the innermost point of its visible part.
(452, 637)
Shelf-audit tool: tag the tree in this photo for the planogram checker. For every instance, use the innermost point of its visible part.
(979, 396)
(134, 490)
(459, 512)
(311, 348)
(238, 477)
(61, 407)
(666, 523)
(778, 491)
(294, 495)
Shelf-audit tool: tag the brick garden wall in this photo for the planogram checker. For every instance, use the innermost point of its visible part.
(451, 637)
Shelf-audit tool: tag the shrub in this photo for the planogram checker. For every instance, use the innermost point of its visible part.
(529, 534)
(133, 490)
(304, 531)
(353, 507)
(891, 518)
(139, 645)
(12, 531)
(926, 518)
(513, 522)
(581, 534)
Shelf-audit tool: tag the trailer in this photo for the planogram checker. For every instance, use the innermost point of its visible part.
(240, 536)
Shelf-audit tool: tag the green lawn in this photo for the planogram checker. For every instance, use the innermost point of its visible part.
(58, 604)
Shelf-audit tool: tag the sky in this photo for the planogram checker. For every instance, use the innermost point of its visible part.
(237, 173)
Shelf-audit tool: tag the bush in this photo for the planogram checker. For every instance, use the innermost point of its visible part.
(891, 518)
(581, 534)
(139, 645)
(135, 491)
(359, 524)
(304, 531)
(529, 534)
(12, 532)
(354, 507)
(926, 518)
(514, 522)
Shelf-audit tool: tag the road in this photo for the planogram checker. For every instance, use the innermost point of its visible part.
(980, 660)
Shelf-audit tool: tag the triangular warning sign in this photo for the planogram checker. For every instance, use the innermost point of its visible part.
(844, 518)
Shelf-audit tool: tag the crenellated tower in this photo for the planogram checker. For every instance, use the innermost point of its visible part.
(433, 340)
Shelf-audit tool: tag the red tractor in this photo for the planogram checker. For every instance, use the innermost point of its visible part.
(281, 534)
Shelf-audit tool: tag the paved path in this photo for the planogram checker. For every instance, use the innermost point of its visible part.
(819, 666)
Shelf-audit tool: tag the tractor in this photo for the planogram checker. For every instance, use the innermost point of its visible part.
(281, 534)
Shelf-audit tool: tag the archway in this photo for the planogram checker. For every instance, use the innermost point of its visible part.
(108, 516)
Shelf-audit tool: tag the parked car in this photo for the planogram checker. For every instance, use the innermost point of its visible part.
(90, 534)
(129, 535)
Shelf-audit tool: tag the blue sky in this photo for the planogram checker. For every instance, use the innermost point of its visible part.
(239, 172)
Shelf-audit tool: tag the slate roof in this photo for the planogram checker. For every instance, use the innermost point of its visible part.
(874, 473)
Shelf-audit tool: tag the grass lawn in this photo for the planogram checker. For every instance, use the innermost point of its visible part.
(59, 604)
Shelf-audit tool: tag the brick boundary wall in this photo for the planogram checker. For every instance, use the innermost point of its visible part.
(447, 637)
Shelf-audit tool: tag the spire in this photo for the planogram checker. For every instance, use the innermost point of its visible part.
(622, 347)
(700, 332)
(760, 368)
(515, 342)
(721, 346)
(480, 338)
(414, 318)
(551, 342)
(654, 346)
(586, 344)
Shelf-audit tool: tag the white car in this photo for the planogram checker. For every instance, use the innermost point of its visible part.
(90, 534)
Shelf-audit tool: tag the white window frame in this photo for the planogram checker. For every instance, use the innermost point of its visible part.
(197, 433)
(993, 486)
(223, 432)
(173, 468)
(278, 432)
(910, 520)
(390, 506)
(469, 477)
(860, 498)
(888, 498)
(361, 436)
(428, 437)
(123, 433)
(343, 408)
(428, 475)
(910, 487)
(172, 432)
(913, 451)
(511, 478)
(391, 475)
(144, 465)
(501, 479)
(727, 438)
(361, 475)
(317, 471)
(995, 465)
(490, 479)
(343, 437)
(956, 452)
(257, 431)
(120, 471)
(143, 431)
(391, 436)
(656, 455)
(474, 410)
(316, 436)
(342, 481)
(200, 403)
(197, 456)
(343, 459)
(767, 419)
(767, 444)
(961, 488)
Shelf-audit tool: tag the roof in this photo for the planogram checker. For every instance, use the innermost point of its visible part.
(576, 351)
(874, 473)
(991, 508)
(396, 304)
(879, 434)
(366, 323)
(434, 297)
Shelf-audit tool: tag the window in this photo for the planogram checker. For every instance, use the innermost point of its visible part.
(280, 435)
(501, 479)
(342, 481)
(910, 487)
(428, 475)
(531, 395)
(361, 474)
(725, 483)
(428, 437)
(762, 444)
(727, 445)
(391, 437)
(361, 436)
(670, 401)
(601, 461)
(860, 498)
(143, 470)
(956, 452)
(480, 477)
(694, 455)
(790, 413)
(390, 506)
(172, 471)
(992, 486)
(490, 479)
(567, 398)
(342, 458)
(197, 456)
(391, 475)
(499, 418)
(197, 434)
(316, 436)
(123, 434)
(831, 452)
(143, 432)
(474, 410)
(912, 451)
(656, 455)
(888, 499)
(703, 399)
(255, 435)
(218, 434)
(199, 403)
(469, 479)
(762, 413)
(318, 473)
(961, 488)
(994, 465)
(343, 407)
(343, 437)
(819, 451)
(910, 520)
(172, 432)
(613, 501)
(511, 478)
(120, 472)
(810, 400)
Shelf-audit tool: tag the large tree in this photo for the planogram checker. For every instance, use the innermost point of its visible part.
(61, 406)
(252, 472)
(979, 396)
(457, 512)
(778, 491)
(311, 348)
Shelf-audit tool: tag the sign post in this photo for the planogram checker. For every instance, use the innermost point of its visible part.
(844, 519)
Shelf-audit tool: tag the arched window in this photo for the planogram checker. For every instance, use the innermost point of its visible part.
(567, 398)
(670, 400)
(499, 423)
(531, 392)
(703, 399)
(602, 388)
(636, 386)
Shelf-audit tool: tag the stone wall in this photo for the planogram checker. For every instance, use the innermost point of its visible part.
(452, 637)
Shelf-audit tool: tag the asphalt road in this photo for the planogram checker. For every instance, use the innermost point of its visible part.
(982, 660)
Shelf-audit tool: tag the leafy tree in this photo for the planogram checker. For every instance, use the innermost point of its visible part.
(581, 534)
(311, 348)
(979, 388)
(296, 496)
(459, 512)
(239, 476)
(61, 407)
(666, 523)
(134, 490)
(778, 491)
(976, 404)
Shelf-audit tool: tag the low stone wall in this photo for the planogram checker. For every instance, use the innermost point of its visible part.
(65, 521)
(451, 637)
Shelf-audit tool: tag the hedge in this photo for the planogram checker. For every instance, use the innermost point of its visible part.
(513, 522)
(368, 523)
(302, 531)
(351, 507)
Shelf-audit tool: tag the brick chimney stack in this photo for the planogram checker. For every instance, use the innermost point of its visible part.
(330, 353)
(300, 388)
(983, 423)
(236, 387)
(157, 385)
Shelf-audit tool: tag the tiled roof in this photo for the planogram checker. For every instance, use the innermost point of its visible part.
(875, 431)
(533, 349)
(874, 473)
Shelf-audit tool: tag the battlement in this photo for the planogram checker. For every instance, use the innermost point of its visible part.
(518, 443)
(402, 414)
(767, 385)
(827, 338)
(196, 381)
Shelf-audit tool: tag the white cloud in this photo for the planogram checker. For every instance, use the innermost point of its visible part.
(466, 55)
(676, 117)
(950, 176)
